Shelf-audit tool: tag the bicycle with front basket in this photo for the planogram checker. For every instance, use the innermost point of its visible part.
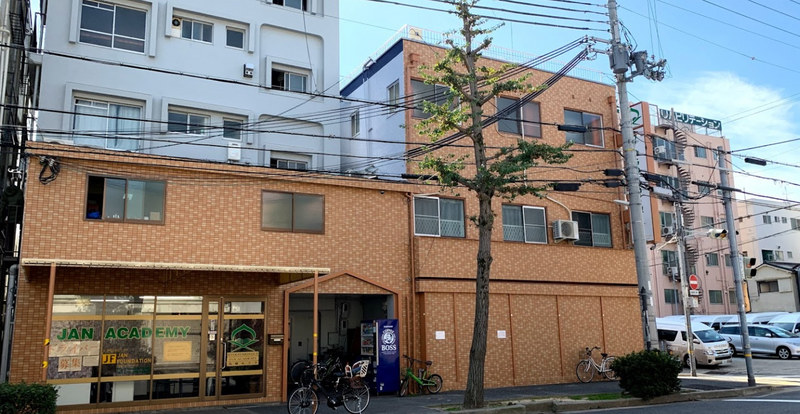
(349, 389)
(425, 380)
(587, 368)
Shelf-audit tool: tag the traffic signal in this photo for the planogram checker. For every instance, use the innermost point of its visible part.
(750, 263)
(717, 233)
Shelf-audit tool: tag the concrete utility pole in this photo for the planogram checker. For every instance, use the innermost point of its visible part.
(737, 269)
(620, 62)
(684, 285)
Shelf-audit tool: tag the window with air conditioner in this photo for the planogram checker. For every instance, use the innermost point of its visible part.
(125, 200)
(667, 219)
(434, 216)
(524, 120)
(592, 137)
(200, 31)
(113, 125)
(524, 224)
(669, 259)
(593, 229)
(114, 26)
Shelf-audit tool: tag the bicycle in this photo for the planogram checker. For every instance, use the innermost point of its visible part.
(331, 362)
(431, 382)
(587, 368)
(353, 393)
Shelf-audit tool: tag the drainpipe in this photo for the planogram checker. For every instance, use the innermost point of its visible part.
(8, 328)
(413, 263)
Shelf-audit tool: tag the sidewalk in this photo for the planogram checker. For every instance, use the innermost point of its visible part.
(386, 404)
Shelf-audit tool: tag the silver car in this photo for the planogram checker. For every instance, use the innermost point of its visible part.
(764, 339)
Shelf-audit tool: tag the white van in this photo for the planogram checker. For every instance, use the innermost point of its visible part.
(756, 318)
(714, 321)
(709, 347)
(787, 321)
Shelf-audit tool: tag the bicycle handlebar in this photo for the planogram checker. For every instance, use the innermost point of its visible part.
(414, 359)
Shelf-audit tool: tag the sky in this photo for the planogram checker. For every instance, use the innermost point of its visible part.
(738, 65)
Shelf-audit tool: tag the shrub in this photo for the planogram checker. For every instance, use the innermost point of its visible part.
(22, 398)
(648, 374)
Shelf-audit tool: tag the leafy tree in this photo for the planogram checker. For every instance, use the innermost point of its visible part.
(496, 172)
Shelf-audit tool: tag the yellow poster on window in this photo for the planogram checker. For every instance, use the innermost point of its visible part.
(177, 351)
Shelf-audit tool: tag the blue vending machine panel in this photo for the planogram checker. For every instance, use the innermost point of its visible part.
(386, 357)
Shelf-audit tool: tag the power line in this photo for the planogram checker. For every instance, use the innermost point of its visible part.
(766, 145)
(750, 18)
(775, 10)
(547, 16)
(553, 7)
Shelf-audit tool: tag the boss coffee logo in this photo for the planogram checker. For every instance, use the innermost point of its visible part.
(388, 340)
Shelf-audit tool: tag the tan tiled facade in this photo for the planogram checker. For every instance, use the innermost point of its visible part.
(547, 301)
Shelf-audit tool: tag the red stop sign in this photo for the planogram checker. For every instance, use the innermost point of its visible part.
(694, 282)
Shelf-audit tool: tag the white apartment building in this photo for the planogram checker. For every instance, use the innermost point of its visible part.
(193, 78)
(679, 156)
(770, 233)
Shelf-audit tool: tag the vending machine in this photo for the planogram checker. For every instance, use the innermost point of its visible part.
(380, 340)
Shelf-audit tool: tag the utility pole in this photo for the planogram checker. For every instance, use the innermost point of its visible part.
(684, 285)
(620, 61)
(737, 269)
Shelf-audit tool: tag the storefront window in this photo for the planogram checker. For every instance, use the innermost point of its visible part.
(127, 347)
(77, 305)
(177, 346)
(129, 305)
(180, 305)
(74, 349)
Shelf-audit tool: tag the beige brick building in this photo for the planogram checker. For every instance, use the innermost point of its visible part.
(152, 304)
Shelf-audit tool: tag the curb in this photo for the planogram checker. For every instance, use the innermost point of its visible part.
(557, 406)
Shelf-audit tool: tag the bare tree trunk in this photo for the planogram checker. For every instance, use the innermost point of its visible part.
(473, 397)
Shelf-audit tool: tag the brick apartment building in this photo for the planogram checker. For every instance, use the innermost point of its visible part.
(186, 253)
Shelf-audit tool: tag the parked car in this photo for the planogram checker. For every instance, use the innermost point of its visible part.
(764, 339)
(709, 347)
(714, 321)
(756, 318)
(788, 321)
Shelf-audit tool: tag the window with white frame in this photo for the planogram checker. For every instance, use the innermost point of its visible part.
(777, 219)
(795, 223)
(594, 123)
(434, 216)
(435, 94)
(113, 26)
(768, 255)
(523, 120)
(295, 4)
(355, 124)
(767, 219)
(593, 229)
(778, 255)
(289, 81)
(234, 38)
(232, 129)
(712, 259)
(115, 125)
(119, 199)
(524, 224)
(393, 97)
(789, 255)
(187, 122)
(200, 31)
(783, 220)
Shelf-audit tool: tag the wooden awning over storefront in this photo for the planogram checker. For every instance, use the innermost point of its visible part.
(175, 266)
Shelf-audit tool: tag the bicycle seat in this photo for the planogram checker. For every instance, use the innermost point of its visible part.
(428, 363)
(603, 355)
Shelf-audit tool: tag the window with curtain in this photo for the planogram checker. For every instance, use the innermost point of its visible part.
(298, 213)
(113, 26)
(438, 217)
(524, 120)
(436, 94)
(112, 125)
(524, 224)
(119, 199)
(594, 136)
(593, 229)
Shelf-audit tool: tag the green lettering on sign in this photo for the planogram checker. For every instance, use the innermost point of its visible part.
(147, 332)
(172, 332)
(160, 332)
(110, 334)
(87, 334)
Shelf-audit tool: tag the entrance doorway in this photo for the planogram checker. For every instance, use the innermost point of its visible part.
(235, 332)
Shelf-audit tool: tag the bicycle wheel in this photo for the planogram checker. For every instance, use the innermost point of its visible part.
(356, 399)
(585, 371)
(607, 371)
(434, 383)
(303, 401)
(296, 372)
(403, 388)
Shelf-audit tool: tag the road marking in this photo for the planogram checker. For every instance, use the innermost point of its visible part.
(764, 400)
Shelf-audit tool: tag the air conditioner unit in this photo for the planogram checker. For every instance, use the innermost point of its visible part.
(234, 151)
(674, 272)
(667, 231)
(177, 22)
(660, 150)
(565, 230)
